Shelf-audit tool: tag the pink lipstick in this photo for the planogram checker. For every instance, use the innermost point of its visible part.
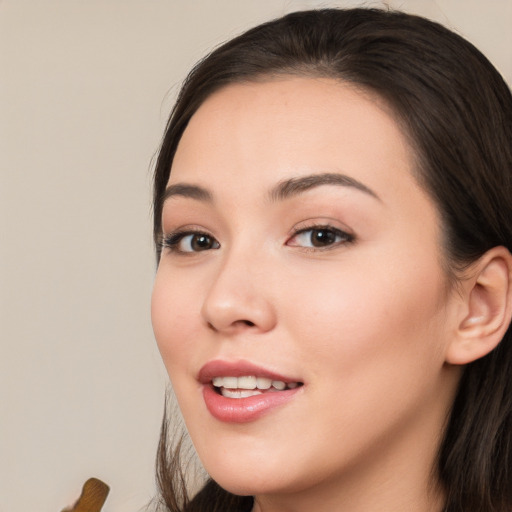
(240, 392)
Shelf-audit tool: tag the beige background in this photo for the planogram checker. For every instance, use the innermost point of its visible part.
(85, 88)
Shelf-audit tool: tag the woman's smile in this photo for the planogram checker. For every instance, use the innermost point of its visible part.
(300, 304)
(240, 391)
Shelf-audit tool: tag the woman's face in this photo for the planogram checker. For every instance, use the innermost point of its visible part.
(300, 252)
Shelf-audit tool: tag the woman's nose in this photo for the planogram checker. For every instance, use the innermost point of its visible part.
(239, 298)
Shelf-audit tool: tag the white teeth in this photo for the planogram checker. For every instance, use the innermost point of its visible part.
(230, 382)
(218, 381)
(263, 383)
(278, 384)
(250, 382)
(239, 393)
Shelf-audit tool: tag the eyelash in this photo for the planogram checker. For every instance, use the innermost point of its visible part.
(344, 237)
(172, 240)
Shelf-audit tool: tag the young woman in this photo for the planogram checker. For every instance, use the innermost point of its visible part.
(333, 220)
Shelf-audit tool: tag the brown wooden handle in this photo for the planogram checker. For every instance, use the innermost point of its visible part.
(94, 495)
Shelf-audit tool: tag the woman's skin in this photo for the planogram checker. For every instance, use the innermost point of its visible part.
(318, 259)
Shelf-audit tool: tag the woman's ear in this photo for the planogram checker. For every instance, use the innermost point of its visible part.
(487, 307)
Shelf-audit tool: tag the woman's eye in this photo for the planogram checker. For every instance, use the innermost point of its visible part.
(319, 237)
(190, 242)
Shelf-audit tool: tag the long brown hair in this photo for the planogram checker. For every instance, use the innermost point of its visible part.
(457, 111)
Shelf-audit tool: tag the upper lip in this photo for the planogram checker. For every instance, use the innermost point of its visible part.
(220, 368)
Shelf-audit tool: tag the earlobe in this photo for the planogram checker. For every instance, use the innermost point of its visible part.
(487, 311)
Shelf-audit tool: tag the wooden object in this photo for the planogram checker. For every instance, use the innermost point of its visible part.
(94, 495)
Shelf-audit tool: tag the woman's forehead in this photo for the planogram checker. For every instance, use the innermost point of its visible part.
(267, 132)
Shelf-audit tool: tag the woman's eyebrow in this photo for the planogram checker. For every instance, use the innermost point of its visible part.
(281, 191)
(295, 186)
(187, 190)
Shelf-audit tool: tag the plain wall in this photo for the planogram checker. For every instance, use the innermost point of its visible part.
(85, 90)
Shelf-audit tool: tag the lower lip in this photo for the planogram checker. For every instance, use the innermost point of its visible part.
(244, 410)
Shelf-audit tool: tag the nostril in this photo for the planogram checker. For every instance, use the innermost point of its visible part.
(244, 323)
(239, 323)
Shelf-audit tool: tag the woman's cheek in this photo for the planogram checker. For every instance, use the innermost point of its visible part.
(354, 305)
(169, 318)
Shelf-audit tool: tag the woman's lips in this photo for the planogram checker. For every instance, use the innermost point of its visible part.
(240, 392)
(219, 368)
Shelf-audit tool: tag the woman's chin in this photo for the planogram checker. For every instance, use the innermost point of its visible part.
(251, 480)
(248, 485)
